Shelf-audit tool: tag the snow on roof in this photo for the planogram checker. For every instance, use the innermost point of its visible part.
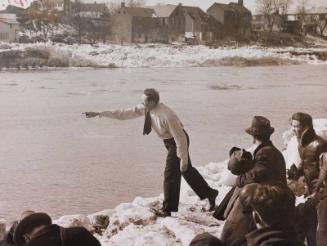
(239, 8)
(94, 7)
(138, 11)
(223, 6)
(7, 16)
(164, 10)
(9, 21)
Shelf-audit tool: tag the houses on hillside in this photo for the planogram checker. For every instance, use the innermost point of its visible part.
(179, 23)
(234, 17)
(161, 23)
(297, 23)
(85, 10)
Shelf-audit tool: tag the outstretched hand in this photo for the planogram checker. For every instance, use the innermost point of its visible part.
(91, 114)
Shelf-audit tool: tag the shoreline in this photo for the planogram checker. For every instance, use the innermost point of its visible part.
(134, 224)
(46, 56)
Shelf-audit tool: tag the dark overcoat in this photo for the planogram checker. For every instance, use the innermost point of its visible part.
(54, 235)
(268, 167)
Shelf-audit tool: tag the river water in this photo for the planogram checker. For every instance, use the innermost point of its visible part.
(54, 160)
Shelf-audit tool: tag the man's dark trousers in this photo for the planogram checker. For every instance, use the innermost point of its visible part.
(172, 178)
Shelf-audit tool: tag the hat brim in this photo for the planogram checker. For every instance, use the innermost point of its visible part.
(27, 223)
(252, 132)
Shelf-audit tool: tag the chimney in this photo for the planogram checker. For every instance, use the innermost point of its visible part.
(240, 2)
(180, 4)
(123, 4)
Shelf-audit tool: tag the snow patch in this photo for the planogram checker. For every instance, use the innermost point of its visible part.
(159, 55)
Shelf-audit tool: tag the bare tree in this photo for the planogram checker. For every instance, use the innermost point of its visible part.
(113, 7)
(268, 9)
(283, 6)
(136, 3)
(272, 9)
(321, 21)
(301, 12)
(44, 19)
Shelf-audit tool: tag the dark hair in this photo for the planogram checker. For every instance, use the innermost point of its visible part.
(152, 95)
(263, 137)
(275, 204)
(304, 119)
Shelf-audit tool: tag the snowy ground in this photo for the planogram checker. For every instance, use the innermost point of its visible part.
(157, 55)
(134, 224)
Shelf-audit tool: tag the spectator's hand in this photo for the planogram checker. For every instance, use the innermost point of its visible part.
(317, 184)
(91, 114)
(321, 194)
(293, 173)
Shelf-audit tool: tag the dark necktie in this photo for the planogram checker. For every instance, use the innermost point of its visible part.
(147, 123)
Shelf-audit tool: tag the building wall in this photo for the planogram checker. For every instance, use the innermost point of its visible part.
(176, 26)
(245, 28)
(227, 18)
(8, 32)
(230, 25)
(121, 28)
(149, 30)
(217, 13)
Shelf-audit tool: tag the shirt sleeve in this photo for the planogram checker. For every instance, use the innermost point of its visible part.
(125, 114)
(177, 131)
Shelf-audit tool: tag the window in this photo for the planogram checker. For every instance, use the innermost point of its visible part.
(10, 26)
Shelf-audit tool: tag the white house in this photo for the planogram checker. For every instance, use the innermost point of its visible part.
(9, 28)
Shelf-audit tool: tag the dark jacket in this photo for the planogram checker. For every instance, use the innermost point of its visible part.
(268, 167)
(54, 235)
(269, 236)
(238, 223)
(310, 148)
(322, 222)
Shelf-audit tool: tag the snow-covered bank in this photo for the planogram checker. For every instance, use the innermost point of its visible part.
(152, 55)
(134, 224)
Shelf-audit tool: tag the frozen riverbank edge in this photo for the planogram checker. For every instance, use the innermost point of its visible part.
(53, 55)
(134, 224)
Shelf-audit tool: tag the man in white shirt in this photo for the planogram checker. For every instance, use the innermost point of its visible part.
(169, 128)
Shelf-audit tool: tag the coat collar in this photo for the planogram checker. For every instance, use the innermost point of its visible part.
(308, 136)
(264, 144)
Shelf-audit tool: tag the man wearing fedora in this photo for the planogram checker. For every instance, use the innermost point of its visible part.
(269, 164)
(268, 167)
(36, 229)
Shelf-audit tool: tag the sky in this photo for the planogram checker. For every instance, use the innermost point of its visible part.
(205, 4)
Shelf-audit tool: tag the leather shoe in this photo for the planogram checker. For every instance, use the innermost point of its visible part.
(162, 213)
(212, 199)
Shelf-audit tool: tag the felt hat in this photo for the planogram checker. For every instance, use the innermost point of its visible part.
(260, 127)
(27, 223)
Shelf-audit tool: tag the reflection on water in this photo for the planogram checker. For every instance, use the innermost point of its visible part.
(53, 159)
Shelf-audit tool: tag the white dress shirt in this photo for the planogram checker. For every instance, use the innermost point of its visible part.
(164, 122)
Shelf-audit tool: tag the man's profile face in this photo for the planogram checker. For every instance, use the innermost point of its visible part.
(148, 104)
(297, 128)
